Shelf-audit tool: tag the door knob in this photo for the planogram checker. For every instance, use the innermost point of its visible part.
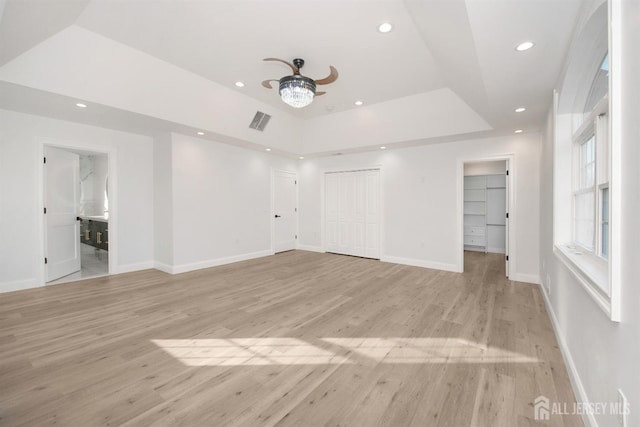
(277, 216)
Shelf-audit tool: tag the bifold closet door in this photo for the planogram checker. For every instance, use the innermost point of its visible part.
(352, 213)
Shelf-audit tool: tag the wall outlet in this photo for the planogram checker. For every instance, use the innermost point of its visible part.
(623, 409)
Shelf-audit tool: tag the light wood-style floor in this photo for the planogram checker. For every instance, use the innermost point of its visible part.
(296, 339)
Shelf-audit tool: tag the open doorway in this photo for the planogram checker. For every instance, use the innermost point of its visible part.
(486, 213)
(76, 214)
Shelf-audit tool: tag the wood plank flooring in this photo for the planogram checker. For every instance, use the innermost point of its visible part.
(296, 339)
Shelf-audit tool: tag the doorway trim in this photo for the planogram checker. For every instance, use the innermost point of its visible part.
(510, 158)
(113, 197)
(272, 207)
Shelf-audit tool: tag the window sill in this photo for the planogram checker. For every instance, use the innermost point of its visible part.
(591, 271)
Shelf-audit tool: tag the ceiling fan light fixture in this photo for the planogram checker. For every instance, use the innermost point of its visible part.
(297, 91)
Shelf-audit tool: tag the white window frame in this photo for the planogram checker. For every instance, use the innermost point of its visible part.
(591, 129)
(601, 221)
(600, 276)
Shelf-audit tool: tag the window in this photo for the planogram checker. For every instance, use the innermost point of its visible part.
(587, 157)
(599, 86)
(584, 194)
(590, 169)
(590, 180)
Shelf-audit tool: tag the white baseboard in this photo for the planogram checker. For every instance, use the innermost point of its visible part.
(527, 278)
(493, 250)
(310, 248)
(420, 263)
(166, 268)
(19, 285)
(128, 268)
(581, 395)
(183, 268)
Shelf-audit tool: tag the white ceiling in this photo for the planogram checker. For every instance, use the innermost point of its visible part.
(466, 46)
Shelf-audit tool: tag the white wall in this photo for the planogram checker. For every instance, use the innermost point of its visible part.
(21, 139)
(182, 203)
(603, 355)
(420, 201)
(146, 86)
(163, 202)
(221, 202)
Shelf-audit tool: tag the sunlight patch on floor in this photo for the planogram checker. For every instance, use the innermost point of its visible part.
(334, 351)
(248, 352)
(428, 350)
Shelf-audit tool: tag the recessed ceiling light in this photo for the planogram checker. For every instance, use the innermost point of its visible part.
(81, 105)
(518, 131)
(385, 27)
(200, 133)
(383, 148)
(358, 103)
(301, 157)
(267, 149)
(524, 46)
(239, 84)
(520, 109)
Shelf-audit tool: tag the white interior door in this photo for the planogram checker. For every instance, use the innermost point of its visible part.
(506, 223)
(61, 202)
(352, 213)
(346, 213)
(285, 210)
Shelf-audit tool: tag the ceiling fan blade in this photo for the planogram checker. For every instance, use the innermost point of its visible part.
(293, 67)
(267, 83)
(319, 93)
(332, 77)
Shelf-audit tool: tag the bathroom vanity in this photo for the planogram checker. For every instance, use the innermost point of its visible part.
(94, 231)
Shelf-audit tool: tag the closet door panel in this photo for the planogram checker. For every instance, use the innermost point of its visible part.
(352, 213)
(346, 209)
(331, 212)
(359, 217)
(373, 219)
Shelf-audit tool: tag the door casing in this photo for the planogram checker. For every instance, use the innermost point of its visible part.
(510, 193)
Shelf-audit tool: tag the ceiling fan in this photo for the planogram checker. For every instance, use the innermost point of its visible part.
(297, 90)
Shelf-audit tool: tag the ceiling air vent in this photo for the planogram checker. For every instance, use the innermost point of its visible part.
(260, 121)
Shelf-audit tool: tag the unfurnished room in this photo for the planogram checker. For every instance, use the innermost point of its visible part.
(320, 213)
